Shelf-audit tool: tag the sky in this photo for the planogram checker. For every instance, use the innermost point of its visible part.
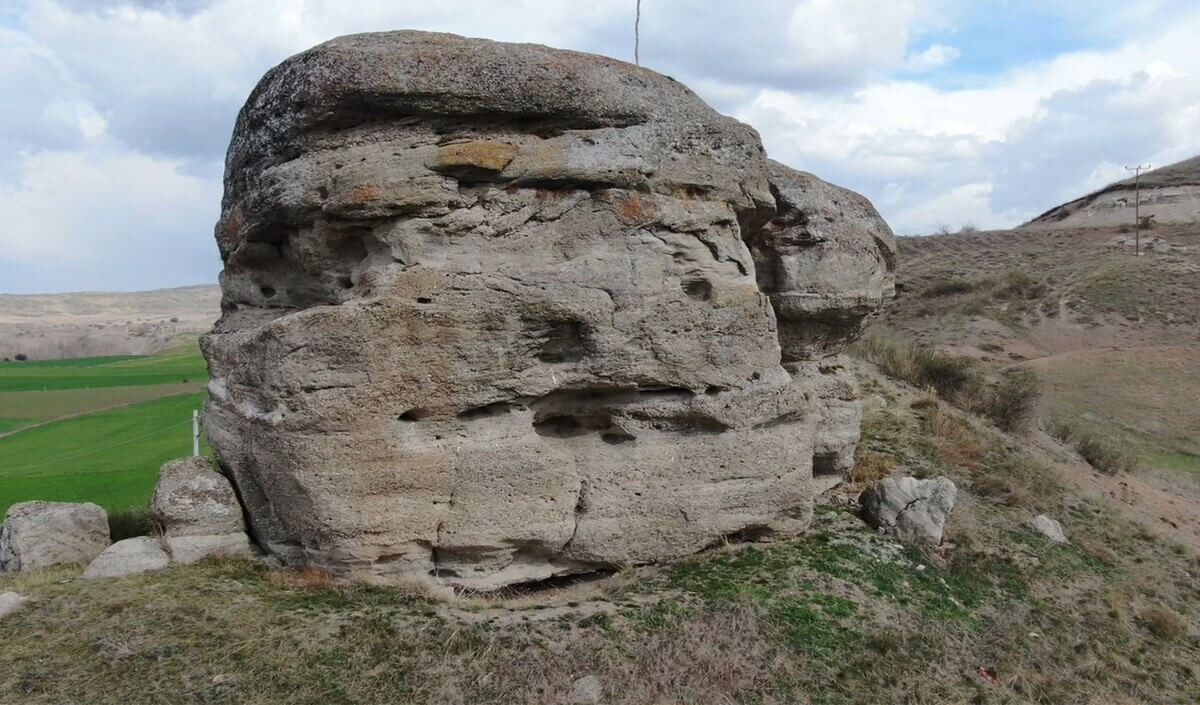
(116, 113)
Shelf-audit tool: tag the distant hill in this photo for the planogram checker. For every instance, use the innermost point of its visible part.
(81, 324)
(1170, 194)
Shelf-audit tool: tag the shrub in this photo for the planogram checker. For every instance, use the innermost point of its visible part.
(20, 357)
(1101, 453)
(1163, 623)
(1012, 401)
(1019, 285)
(949, 287)
(131, 522)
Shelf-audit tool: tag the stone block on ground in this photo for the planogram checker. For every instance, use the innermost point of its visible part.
(129, 557)
(912, 510)
(40, 534)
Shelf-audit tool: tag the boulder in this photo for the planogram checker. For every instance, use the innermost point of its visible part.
(910, 509)
(189, 549)
(587, 691)
(39, 534)
(129, 557)
(1047, 527)
(494, 313)
(10, 602)
(199, 512)
(191, 498)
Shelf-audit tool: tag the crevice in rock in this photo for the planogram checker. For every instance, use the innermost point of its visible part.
(825, 465)
(486, 411)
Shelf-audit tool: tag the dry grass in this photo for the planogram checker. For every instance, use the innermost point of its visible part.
(1101, 453)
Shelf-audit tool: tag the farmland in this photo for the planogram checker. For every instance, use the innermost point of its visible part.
(95, 429)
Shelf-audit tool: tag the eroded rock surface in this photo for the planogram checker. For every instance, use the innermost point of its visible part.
(129, 557)
(496, 313)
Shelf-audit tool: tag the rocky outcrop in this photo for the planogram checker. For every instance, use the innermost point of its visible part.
(199, 512)
(40, 534)
(495, 313)
(128, 557)
(912, 510)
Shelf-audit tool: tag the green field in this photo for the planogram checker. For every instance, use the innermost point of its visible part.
(95, 429)
(107, 457)
(168, 367)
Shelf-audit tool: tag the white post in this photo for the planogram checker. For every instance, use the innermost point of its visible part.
(195, 433)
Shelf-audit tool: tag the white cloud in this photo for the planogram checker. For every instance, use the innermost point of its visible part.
(936, 56)
(118, 111)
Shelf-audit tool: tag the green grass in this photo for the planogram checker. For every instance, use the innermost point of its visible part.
(29, 407)
(10, 423)
(167, 367)
(107, 457)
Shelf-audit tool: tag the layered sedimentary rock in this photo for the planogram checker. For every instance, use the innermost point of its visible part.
(495, 313)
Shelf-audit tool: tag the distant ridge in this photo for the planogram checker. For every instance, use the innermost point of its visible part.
(1170, 194)
(86, 323)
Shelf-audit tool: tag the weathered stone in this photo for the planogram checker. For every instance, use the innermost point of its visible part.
(495, 313)
(910, 509)
(587, 691)
(191, 548)
(1048, 527)
(193, 499)
(10, 602)
(129, 557)
(40, 534)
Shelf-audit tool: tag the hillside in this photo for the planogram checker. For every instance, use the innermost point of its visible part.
(86, 324)
(1171, 195)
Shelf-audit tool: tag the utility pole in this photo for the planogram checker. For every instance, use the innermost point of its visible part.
(195, 433)
(1137, 206)
(637, 39)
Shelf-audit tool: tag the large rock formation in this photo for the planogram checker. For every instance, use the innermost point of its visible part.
(198, 511)
(500, 312)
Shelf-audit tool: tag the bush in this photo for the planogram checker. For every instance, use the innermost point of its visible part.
(131, 522)
(1012, 401)
(949, 287)
(1101, 453)
(1163, 623)
(1017, 285)
(20, 357)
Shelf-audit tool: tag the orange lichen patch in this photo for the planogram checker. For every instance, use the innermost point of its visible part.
(475, 155)
(363, 193)
(229, 229)
(634, 209)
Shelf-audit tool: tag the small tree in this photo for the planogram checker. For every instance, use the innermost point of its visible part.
(20, 357)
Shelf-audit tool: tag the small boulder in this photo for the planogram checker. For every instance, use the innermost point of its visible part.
(11, 602)
(1051, 529)
(587, 691)
(189, 549)
(39, 534)
(192, 499)
(129, 557)
(910, 509)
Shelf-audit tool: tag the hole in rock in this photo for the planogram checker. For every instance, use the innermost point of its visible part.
(699, 289)
(565, 426)
(322, 193)
(564, 341)
(424, 300)
(756, 376)
(346, 282)
(825, 464)
(499, 408)
(617, 437)
(412, 415)
(714, 390)
(267, 291)
(558, 582)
